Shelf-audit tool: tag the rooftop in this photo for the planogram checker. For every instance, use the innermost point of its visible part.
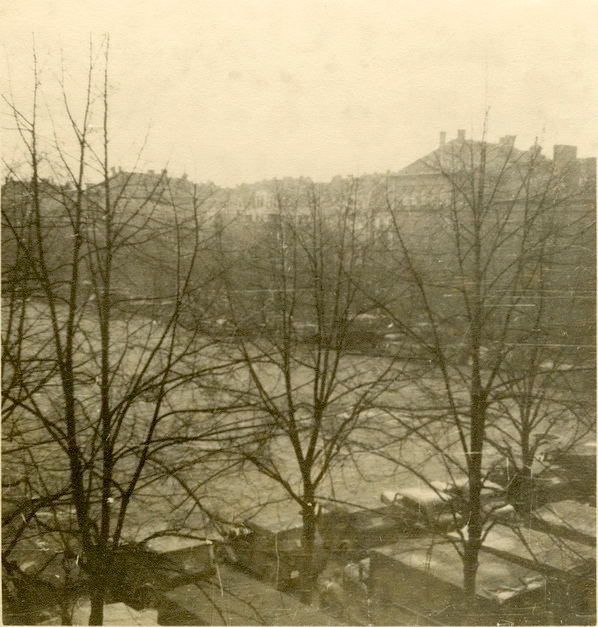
(168, 543)
(233, 598)
(511, 559)
(538, 549)
(461, 153)
(570, 516)
(497, 579)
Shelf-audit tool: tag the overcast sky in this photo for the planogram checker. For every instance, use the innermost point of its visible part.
(239, 91)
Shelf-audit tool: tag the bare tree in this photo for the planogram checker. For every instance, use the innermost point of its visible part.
(292, 317)
(476, 242)
(101, 372)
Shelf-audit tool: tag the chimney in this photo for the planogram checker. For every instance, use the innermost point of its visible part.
(151, 172)
(442, 139)
(120, 169)
(564, 155)
(165, 173)
(113, 171)
(184, 177)
(461, 134)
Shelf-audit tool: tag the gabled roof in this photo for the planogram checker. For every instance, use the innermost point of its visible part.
(465, 155)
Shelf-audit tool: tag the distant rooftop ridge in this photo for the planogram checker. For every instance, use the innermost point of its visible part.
(562, 154)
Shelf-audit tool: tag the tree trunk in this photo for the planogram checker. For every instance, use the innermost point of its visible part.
(524, 482)
(309, 570)
(96, 615)
(474, 466)
(473, 541)
(470, 566)
(97, 595)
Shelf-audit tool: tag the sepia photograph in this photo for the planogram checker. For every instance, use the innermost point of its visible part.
(298, 312)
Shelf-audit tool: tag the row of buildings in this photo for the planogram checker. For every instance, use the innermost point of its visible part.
(528, 205)
(416, 197)
(422, 186)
